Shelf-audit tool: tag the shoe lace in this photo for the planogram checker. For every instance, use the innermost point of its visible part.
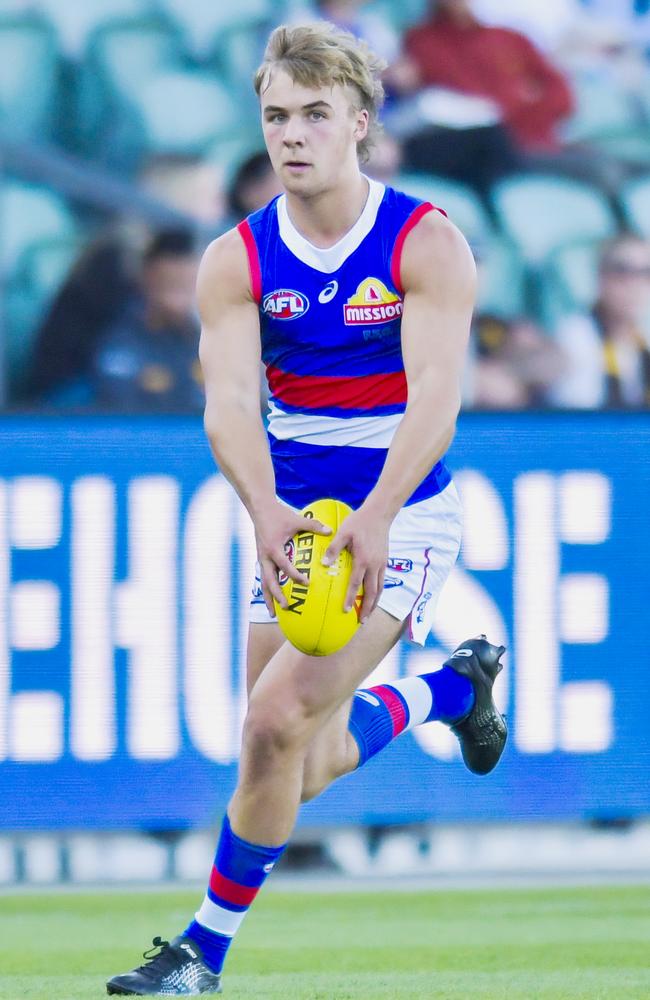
(160, 959)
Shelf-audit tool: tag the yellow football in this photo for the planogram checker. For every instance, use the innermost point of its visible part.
(314, 620)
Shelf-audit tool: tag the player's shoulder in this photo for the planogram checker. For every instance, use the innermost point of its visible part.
(224, 269)
(435, 249)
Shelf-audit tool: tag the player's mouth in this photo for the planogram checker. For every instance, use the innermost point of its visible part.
(297, 166)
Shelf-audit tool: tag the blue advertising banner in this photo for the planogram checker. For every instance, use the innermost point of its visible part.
(125, 569)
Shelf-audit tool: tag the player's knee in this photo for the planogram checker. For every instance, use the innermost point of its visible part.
(271, 731)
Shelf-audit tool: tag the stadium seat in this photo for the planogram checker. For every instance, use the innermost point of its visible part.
(184, 112)
(502, 280)
(601, 109)
(28, 76)
(569, 281)
(38, 273)
(122, 55)
(29, 215)
(205, 22)
(459, 202)
(128, 53)
(400, 13)
(540, 213)
(74, 22)
(635, 199)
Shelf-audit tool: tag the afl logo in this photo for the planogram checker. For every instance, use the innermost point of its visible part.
(284, 303)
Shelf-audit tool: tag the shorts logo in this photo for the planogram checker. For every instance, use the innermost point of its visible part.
(372, 304)
(421, 608)
(392, 581)
(399, 565)
(284, 303)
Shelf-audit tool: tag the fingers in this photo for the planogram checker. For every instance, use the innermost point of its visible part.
(286, 566)
(271, 588)
(373, 584)
(334, 549)
(309, 524)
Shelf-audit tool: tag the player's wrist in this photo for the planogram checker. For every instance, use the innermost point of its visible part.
(380, 508)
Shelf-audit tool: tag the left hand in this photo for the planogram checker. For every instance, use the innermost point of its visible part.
(365, 535)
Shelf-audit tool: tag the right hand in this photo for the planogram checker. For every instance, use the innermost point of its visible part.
(274, 526)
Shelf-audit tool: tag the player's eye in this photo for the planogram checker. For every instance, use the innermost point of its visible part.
(316, 115)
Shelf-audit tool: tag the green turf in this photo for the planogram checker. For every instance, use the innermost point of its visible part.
(573, 944)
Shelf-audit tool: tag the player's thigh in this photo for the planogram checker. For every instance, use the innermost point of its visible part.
(314, 687)
(263, 643)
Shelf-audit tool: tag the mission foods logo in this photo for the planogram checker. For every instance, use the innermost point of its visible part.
(372, 303)
(284, 303)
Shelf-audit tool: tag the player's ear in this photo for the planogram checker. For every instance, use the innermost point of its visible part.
(361, 126)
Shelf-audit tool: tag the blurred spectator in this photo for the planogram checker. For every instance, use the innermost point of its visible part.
(488, 94)
(511, 364)
(607, 351)
(105, 274)
(147, 358)
(253, 186)
(368, 25)
(546, 22)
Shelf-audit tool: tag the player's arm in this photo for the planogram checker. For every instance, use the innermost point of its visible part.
(230, 351)
(439, 280)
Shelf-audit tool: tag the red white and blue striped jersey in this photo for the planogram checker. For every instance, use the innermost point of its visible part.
(330, 323)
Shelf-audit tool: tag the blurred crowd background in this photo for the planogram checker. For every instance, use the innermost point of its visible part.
(130, 137)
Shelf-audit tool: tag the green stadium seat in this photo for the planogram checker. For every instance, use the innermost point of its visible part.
(635, 199)
(569, 281)
(460, 203)
(29, 215)
(28, 76)
(38, 274)
(502, 280)
(540, 213)
(184, 112)
(122, 55)
(400, 13)
(127, 53)
(601, 109)
(204, 22)
(74, 21)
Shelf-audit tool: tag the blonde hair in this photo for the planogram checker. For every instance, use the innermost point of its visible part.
(320, 54)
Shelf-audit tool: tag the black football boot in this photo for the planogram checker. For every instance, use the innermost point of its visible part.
(482, 732)
(176, 970)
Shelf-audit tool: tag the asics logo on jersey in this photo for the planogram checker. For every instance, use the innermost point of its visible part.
(328, 293)
(372, 303)
(285, 303)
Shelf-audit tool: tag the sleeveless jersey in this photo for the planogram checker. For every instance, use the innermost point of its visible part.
(330, 329)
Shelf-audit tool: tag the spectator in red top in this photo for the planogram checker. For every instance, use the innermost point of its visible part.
(477, 102)
(456, 51)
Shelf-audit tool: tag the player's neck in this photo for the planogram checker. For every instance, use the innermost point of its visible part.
(325, 218)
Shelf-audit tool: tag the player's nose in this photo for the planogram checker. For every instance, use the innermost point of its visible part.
(293, 133)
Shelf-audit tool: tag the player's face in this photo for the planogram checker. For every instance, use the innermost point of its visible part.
(311, 134)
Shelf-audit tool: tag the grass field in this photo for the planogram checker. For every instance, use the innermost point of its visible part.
(573, 944)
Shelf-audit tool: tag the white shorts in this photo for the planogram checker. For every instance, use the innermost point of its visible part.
(423, 545)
